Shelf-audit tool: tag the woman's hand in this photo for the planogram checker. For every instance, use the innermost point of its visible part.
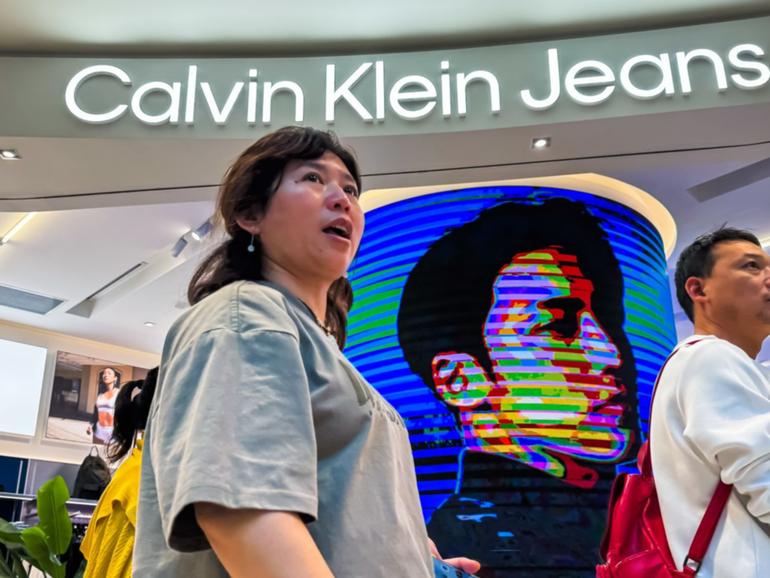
(464, 564)
(89, 430)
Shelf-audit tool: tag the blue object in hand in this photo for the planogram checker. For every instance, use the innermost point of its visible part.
(444, 570)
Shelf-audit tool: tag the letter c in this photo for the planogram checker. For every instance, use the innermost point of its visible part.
(80, 78)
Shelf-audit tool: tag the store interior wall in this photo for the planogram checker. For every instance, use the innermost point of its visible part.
(665, 153)
(38, 447)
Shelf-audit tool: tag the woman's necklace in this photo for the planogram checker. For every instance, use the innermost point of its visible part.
(325, 328)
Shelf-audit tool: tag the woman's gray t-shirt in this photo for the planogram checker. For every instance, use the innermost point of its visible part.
(256, 407)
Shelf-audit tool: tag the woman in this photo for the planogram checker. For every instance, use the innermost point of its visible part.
(104, 410)
(109, 539)
(267, 453)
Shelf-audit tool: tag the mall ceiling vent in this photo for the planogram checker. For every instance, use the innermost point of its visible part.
(27, 301)
(116, 288)
(731, 181)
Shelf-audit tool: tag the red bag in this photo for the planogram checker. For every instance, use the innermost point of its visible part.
(634, 543)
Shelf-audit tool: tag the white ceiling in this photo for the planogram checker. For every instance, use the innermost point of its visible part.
(71, 254)
(107, 205)
(251, 27)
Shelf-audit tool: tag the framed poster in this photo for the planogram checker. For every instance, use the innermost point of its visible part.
(83, 397)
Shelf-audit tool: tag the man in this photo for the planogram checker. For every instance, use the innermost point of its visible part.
(711, 413)
(515, 320)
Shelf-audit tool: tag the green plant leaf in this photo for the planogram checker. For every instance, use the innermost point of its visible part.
(5, 571)
(10, 535)
(42, 556)
(18, 567)
(54, 518)
(36, 544)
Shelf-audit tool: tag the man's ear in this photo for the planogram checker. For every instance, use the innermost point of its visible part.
(460, 380)
(694, 288)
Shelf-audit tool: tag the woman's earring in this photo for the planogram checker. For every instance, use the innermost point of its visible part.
(250, 248)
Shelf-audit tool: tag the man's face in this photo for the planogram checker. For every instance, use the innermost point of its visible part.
(737, 292)
(552, 394)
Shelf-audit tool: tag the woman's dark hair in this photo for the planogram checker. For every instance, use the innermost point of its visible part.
(102, 385)
(249, 185)
(131, 414)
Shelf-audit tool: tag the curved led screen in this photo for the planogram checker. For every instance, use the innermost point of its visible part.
(518, 331)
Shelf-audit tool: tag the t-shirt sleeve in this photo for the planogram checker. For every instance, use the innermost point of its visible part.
(727, 417)
(233, 427)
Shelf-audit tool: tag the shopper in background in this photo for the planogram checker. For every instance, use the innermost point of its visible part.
(131, 411)
(711, 414)
(267, 453)
(109, 540)
(104, 409)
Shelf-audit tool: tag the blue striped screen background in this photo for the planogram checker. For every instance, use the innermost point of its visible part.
(398, 234)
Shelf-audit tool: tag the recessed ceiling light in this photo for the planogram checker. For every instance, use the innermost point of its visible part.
(149, 324)
(541, 142)
(9, 154)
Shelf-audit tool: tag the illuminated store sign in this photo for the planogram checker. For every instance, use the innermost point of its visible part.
(410, 97)
(594, 74)
(372, 94)
(502, 86)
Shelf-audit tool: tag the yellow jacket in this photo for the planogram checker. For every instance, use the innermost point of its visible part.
(109, 541)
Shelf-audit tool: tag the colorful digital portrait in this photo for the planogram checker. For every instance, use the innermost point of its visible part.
(518, 331)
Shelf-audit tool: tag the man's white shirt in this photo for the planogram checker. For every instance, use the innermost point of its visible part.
(711, 418)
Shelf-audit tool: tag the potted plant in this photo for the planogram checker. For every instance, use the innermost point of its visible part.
(39, 546)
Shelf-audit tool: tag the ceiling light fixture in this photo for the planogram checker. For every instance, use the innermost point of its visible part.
(196, 234)
(203, 229)
(541, 142)
(16, 228)
(149, 324)
(9, 154)
(178, 247)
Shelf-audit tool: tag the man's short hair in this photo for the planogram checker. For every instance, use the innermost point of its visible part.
(449, 292)
(697, 260)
